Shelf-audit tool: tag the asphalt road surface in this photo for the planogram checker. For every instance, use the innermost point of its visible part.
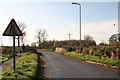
(60, 66)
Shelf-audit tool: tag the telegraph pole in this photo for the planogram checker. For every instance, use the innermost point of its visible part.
(69, 37)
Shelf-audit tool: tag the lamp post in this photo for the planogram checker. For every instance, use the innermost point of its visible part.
(74, 3)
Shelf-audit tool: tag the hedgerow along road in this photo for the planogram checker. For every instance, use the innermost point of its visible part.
(60, 66)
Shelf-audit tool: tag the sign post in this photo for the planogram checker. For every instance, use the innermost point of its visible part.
(14, 52)
(13, 30)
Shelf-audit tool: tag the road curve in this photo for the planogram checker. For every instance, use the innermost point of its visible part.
(64, 67)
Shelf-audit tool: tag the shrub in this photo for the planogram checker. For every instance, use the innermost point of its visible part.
(70, 49)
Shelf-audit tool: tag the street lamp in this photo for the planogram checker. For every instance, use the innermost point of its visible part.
(74, 3)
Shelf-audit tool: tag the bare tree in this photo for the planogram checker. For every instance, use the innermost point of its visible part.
(88, 37)
(41, 36)
(22, 27)
(44, 35)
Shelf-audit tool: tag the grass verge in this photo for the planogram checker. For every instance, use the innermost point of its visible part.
(26, 67)
(4, 58)
(49, 50)
(104, 60)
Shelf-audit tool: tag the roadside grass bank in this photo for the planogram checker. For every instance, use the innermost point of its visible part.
(26, 67)
(114, 63)
(4, 58)
(48, 50)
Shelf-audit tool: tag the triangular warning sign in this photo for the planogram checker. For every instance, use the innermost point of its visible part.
(12, 29)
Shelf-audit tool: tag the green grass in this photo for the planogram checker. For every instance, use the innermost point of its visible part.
(26, 67)
(50, 50)
(42, 49)
(4, 58)
(104, 60)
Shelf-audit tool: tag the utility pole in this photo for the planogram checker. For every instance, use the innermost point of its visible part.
(69, 37)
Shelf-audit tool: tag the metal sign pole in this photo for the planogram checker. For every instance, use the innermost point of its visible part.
(14, 52)
(13, 48)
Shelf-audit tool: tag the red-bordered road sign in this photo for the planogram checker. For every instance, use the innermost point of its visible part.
(12, 29)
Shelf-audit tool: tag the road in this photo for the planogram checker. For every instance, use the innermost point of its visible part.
(60, 66)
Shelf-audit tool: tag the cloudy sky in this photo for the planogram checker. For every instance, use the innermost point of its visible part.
(60, 19)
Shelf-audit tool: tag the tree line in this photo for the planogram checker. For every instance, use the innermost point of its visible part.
(88, 41)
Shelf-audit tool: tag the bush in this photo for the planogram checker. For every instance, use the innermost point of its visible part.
(70, 49)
